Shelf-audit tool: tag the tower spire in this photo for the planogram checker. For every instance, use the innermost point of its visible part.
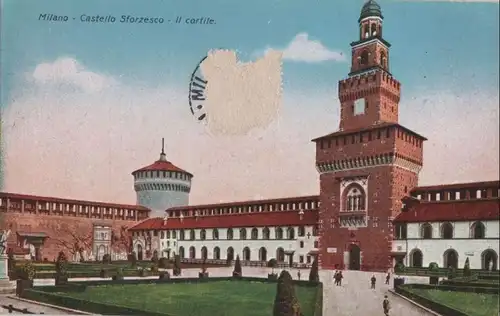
(163, 157)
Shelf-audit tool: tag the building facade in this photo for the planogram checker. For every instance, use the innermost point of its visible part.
(257, 231)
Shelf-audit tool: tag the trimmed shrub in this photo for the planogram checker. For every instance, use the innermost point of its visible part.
(103, 273)
(163, 263)
(118, 275)
(177, 265)
(272, 263)
(237, 267)
(164, 275)
(61, 264)
(286, 302)
(26, 271)
(154, 268)
(313, 274)
(451, 273)
(467, 272)
(400, 267)
(154, 258)
(132, 258)
(433, 266)
(106, 258)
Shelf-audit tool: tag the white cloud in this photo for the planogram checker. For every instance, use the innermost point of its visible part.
(303, 49)
(84, 145)
(69, 72)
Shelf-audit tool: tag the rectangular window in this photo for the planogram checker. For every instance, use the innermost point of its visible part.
(301, 259)
(308, 259)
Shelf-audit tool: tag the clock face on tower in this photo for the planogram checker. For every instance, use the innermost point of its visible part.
(359, 106)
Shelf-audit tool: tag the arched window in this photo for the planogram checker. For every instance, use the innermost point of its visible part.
(255, 233)
(243, 233)
(181, 252)
(426, 231)
(383, 60)
(446, 231)
(215, 234)
(203, 234)
(374, 29)
(489, 260)
(279, 233)
(364, 57)
(280, 254)
(262, 254)
(366, 30)
(302, 231)
(450, 258)
(182, 234)
(265, 233)
(204, 253)
(162, 234)
(192, 235)
(229, 233)
(216, 254)
(192, 252)
(354, 199)
(416, 258)
(246, 254)
(477, 230)
(290, 233)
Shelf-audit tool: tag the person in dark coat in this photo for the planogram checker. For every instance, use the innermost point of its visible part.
(373, 281)
(387, 278)
(386, 305)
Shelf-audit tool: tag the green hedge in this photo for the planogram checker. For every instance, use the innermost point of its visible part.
(405, 290)
(444, 272)
(469, 283)
(46, 294)
(318, 308)
(455, 288)
(83, 305)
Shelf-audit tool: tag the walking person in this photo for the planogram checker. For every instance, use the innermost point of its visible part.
(336, 277)
(298, 275)
(373, 281)
(340, 276)
(387, 278)
(386, 306)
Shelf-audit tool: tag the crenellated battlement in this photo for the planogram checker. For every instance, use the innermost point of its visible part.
(305, 203)
(38, 205)
(369, 83)
(457, 192)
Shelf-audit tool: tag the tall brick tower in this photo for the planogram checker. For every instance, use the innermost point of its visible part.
(370, 164)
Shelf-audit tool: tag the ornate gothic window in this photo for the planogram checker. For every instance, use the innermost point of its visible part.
(265, 233)
(446, 231)
(364, 58)
(355, 199)
(229, 233)
(426, 231)
(203, 234)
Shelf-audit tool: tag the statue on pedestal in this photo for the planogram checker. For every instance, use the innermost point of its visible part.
(3, 241)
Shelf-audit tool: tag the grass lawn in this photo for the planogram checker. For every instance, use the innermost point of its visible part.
(217, 298)
(473, 304)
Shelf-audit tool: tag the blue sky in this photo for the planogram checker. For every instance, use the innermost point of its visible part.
(129, 89)
(441, 43)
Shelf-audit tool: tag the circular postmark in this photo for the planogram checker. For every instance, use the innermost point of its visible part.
(197, 86)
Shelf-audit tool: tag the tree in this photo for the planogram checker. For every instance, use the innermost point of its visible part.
(467, 272)
(74, 240)
(313, 274)
(237, 267)
(121, 241)
(286, 302)
(155, 258)
(132, 257)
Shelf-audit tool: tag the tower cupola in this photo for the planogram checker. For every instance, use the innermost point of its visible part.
(162, 185)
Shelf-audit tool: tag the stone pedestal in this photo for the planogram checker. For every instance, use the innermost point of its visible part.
(6, 286)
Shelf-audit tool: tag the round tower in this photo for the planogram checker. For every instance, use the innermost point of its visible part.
(162, 185)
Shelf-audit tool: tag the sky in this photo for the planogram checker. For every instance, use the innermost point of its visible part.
(85, 104)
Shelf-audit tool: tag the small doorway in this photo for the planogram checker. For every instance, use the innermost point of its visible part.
(354, 257)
